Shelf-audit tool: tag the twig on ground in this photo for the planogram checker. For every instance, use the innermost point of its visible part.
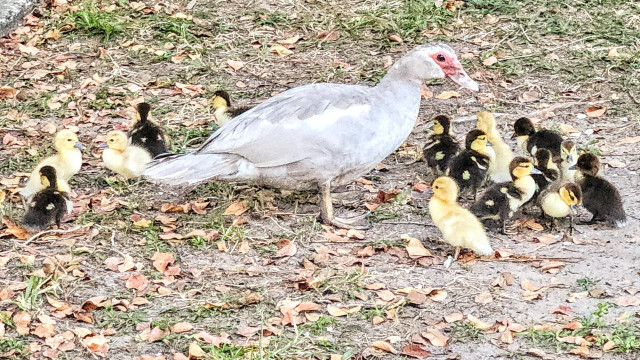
(52, 231)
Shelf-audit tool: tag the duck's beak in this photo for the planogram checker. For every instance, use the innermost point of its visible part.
(569, 159)
(573, 209)
(461, 78)
(79, 145)
(573, 167)
(536, 171)
(103, 145)
(489, 143)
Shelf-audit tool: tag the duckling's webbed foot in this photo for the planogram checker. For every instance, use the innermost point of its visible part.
(327, 215)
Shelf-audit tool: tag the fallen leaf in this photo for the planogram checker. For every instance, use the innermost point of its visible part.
(328, 35)
(195, 351)
(235, 65)
(162, 260)
(395, 38)
(483, 298)
(281, 50)
(384, 346)
(286, 248)
(453, 317)
(477, 323)
(627, 140)
(628, 301)
(582, 350)
(137, 282)
(615, 163)
(596, 111)
(415, 247)
(415, 351)
(447, 95)
(608, 345)
(181, 327)
(97, 344)
(435, 337)
(237, 208)
(491, 60)
(22, 321)
(7, 92)
(339, 311)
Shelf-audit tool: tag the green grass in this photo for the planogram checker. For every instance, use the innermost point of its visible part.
(464, 332)
(587, 283)
(31, 299)
(123, 321)
(92, 21)
(17, 348)
(319, 327)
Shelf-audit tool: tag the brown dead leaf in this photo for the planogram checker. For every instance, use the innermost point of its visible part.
(477, 323)
(237, 208)
(280, 50)
(235, 65)
(395, 38)
(415, 247)
(286, 248)
(483, 298)
(416, 297)
(453, 317)
(137, 282)
(195, 351)
(581, 350)
(328, 35)
(491, 60)
(627, 140)
(562, 309)
(625, 301)
(447, 95)
(98, 345)
(339, 311)
(7, 92)
(181, 327)
(435, 337)
(22, 321)
(596, 111)
(244, 247)
(384, 346)
(609, 345)
(415, 351)
(162, 260)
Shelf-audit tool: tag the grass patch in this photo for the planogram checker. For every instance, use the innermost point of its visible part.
(464, 332)
(93, 21)
(14, 349)
(319, 327)
(123, 321)
(587, 283)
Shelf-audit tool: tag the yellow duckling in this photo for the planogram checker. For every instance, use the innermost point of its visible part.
(569, 156)
(458, 225)
(499, 168)
(66, 162)
(559, 201)
(223, 111)
(122, 157)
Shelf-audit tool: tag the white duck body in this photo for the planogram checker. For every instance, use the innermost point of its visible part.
(312, 134)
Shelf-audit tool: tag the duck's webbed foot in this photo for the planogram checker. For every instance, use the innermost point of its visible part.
(326, 212)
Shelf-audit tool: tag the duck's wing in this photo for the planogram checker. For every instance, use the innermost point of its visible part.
(285, 128)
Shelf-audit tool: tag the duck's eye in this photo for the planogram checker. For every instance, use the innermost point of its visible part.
(69, 140)
(440, 57)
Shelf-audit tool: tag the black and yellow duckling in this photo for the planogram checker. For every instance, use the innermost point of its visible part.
(559, 201)
(48, 205)
(223, 111)
(441, 145)
(459, 227)
(502, 200)
(599, 196)
(146, 134)
(549, 171)
(499, 167)
(123, 158)
(568, 157)
(530, 140)
(469, 168)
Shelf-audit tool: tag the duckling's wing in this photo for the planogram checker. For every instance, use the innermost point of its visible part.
(285, 128)
(44, 208)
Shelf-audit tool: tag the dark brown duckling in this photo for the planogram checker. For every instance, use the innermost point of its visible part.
(148, 135)
(441, 146)
(530, 140)
(48, 205)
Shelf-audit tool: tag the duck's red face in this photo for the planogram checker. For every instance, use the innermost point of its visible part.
(453, 70)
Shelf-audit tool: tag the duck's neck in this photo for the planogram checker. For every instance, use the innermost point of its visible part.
(410, 70)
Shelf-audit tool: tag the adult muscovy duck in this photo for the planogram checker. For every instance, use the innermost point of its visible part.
(317, 135)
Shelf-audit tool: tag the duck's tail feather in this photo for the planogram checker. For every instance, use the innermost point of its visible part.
(191, 169)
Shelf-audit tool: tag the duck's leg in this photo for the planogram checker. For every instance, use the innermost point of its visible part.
(327, 215)
(456, 255)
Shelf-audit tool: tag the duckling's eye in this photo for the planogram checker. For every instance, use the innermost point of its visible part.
(440, 57)
(69, 140)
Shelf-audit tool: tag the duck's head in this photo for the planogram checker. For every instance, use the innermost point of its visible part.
(441, 125)
(544, 159)
(66, 140)
(432, 61)
(143, 111)
(476, 140)
(568, 152)
(521, 167)
(48, 176)
(116, 140)
(571, 194)
(445, 189)
(221, 99)
(588, 164)
(486, 122)
(523, 127)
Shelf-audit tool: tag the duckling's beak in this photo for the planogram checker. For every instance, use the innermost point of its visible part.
(79, 145)
(536, 171)
(573, 209)
(103, 145)
(569, 158)
(573, 167)
(489, 143)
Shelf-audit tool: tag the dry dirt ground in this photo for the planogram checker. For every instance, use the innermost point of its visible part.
(135, 277)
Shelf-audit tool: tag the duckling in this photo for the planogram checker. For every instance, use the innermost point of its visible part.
(122, 157)
(146, 134)
(549, 171)
(530, 140)
(441, 146)
(599, 196)
(569, 157)
(502, 200)
(499, 168)
(560, 200)
(459, 227)
(48, 205)
(67, 162)
(469, 168)
(222, 107)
